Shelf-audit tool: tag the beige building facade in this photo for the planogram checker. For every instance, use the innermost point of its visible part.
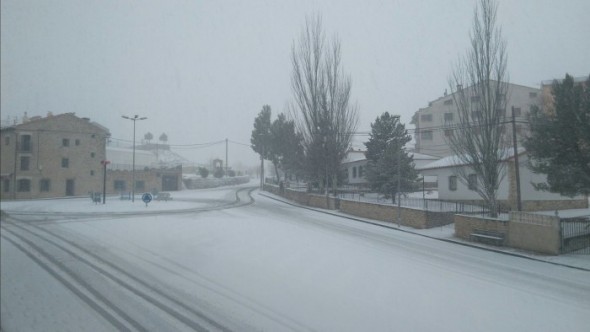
(437, 121)
(53, 156)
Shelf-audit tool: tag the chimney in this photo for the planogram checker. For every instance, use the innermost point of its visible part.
(459, 87)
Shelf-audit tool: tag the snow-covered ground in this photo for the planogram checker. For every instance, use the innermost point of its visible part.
(276, 267)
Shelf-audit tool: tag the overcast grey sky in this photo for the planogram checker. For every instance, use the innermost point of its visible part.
(202, 70)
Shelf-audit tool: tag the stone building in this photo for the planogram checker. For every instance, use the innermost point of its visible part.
(437, 121)
(53, 156)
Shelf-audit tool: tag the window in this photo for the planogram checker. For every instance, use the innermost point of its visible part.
(44, 185)
(516, 111)
(475, 99)
(452, 183)
(361, 172)
(92, 154)
(6, 140)
(532, 95)
(65, 163)
(120, 185)
(77, 142)
(448, 117)
(23, 185)
(448, 102)
(25, 143)
(65, 142)
(426, 117)
(24, 163)
(354, 172)
(448, 132)
(476, 115)
(93, 135)
(139, 185)
(91, 173)
(472, 181)
(426, 135)
(6, 185)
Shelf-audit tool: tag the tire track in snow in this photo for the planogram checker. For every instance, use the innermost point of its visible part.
(60, 269)
(239, 299)
(125, 285)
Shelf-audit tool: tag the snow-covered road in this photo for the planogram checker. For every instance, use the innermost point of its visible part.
(263, 266)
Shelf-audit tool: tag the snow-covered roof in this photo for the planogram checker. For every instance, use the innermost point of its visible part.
(422, 156)
(454, 160)
(354, 155)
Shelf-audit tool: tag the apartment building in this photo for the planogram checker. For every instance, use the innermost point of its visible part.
(435, 123)
(53, 156)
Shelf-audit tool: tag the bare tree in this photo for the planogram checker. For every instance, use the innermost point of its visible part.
(324, 116)
(164, 138)
(148, 137)
(479, 83)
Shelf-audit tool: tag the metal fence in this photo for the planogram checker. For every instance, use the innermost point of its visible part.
(575, 235)
(433, 205)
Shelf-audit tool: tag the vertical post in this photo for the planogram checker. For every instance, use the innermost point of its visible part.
(399, 175)
(262, 169)
(423, 192)
(15, 164)
(104, 181)
(226, 160)
(133, 170)
(134, 119)
(516, 164)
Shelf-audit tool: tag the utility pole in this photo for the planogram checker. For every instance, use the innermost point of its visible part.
(516, 164)
(262, 169)
(15, 167)
(226, 161)
(399, 196)
(104, 180)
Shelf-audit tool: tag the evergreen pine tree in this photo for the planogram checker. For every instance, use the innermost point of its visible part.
(384, 149)
(559, 143)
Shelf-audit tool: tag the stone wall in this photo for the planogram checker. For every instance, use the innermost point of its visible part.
(465, 225)
(408, 217)
(554, 205)
(534, 232)
(212, 182)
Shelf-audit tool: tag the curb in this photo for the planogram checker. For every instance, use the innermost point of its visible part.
(424, 235)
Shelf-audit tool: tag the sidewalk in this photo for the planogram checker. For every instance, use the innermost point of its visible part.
(446, 233)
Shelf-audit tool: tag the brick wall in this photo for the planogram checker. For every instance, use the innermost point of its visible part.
(534, 232)
(409, 217)
(465, 225)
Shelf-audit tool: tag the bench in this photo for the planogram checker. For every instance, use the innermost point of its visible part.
(488, 237)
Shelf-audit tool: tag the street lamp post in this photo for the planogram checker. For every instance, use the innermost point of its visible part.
(134, 119)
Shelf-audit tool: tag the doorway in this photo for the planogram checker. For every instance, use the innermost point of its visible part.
(70, 187)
